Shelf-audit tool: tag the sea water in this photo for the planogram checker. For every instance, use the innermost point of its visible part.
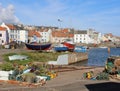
(98, 56)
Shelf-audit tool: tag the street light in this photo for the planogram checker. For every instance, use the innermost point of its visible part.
(59, 20)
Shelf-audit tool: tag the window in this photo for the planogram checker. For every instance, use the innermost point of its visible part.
(45, 40)
(18, 37)
(2, 41)
(0, 35)
(18, 32)
(42, 39)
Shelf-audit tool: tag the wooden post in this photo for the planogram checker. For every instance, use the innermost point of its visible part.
(108, 50)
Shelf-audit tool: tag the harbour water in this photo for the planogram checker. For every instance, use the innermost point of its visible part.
(98, 56)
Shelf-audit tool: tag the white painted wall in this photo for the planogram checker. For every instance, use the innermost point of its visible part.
(3, 37)
(81, 38)
(45, 36)
(23, 36)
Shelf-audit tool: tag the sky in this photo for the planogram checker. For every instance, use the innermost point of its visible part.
(101, 15)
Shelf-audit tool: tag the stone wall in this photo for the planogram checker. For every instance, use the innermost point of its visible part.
(77, 57)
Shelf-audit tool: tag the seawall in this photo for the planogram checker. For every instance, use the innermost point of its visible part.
(77, 57)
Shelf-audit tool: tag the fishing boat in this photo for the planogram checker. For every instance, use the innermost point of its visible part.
(80, 49)
(37, 46)
(69, 44)
(60, 48)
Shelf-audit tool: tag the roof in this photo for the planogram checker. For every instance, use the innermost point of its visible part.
(71, 35)
(81, 32)
(65, 30)
(17, 27)
(11, 27)
(44, 30)
(61, 34)
(33, 32)
(2, 28)
(109, 34)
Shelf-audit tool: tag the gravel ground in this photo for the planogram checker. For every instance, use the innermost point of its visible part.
(69, 81)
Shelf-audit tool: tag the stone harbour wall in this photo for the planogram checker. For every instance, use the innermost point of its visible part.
(77, 57)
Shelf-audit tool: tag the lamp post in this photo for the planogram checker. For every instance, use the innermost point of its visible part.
(59, 20)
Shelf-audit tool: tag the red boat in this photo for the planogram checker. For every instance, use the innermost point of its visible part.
(70, 45)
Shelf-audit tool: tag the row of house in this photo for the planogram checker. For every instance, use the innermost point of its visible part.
(26, 34)
(10, 32)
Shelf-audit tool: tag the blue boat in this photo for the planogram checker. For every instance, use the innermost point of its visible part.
(80, 49)
(37, 46)
(60, 48)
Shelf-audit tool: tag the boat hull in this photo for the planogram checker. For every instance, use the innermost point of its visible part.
(80, 49)
(59, 49)
(38, 46)
(69, 45)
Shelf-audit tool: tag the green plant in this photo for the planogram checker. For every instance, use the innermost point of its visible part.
(7, 66)
(32, 57)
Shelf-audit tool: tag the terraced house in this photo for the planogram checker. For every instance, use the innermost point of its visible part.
(16, 33)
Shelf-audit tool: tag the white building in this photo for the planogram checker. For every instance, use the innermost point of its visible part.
(8, 29)
(81, 37)
(23, 36)
(16, 33)
(87, 36)
(45, 35)
(3, 36)
(19, 35)
(95, 37)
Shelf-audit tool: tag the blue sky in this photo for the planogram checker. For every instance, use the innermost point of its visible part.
(101, 15)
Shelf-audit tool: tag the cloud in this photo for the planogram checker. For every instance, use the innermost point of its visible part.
(7, 14)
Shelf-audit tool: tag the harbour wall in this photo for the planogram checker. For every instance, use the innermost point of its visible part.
(77, 57)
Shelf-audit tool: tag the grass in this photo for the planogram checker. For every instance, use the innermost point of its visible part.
(33, 57)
